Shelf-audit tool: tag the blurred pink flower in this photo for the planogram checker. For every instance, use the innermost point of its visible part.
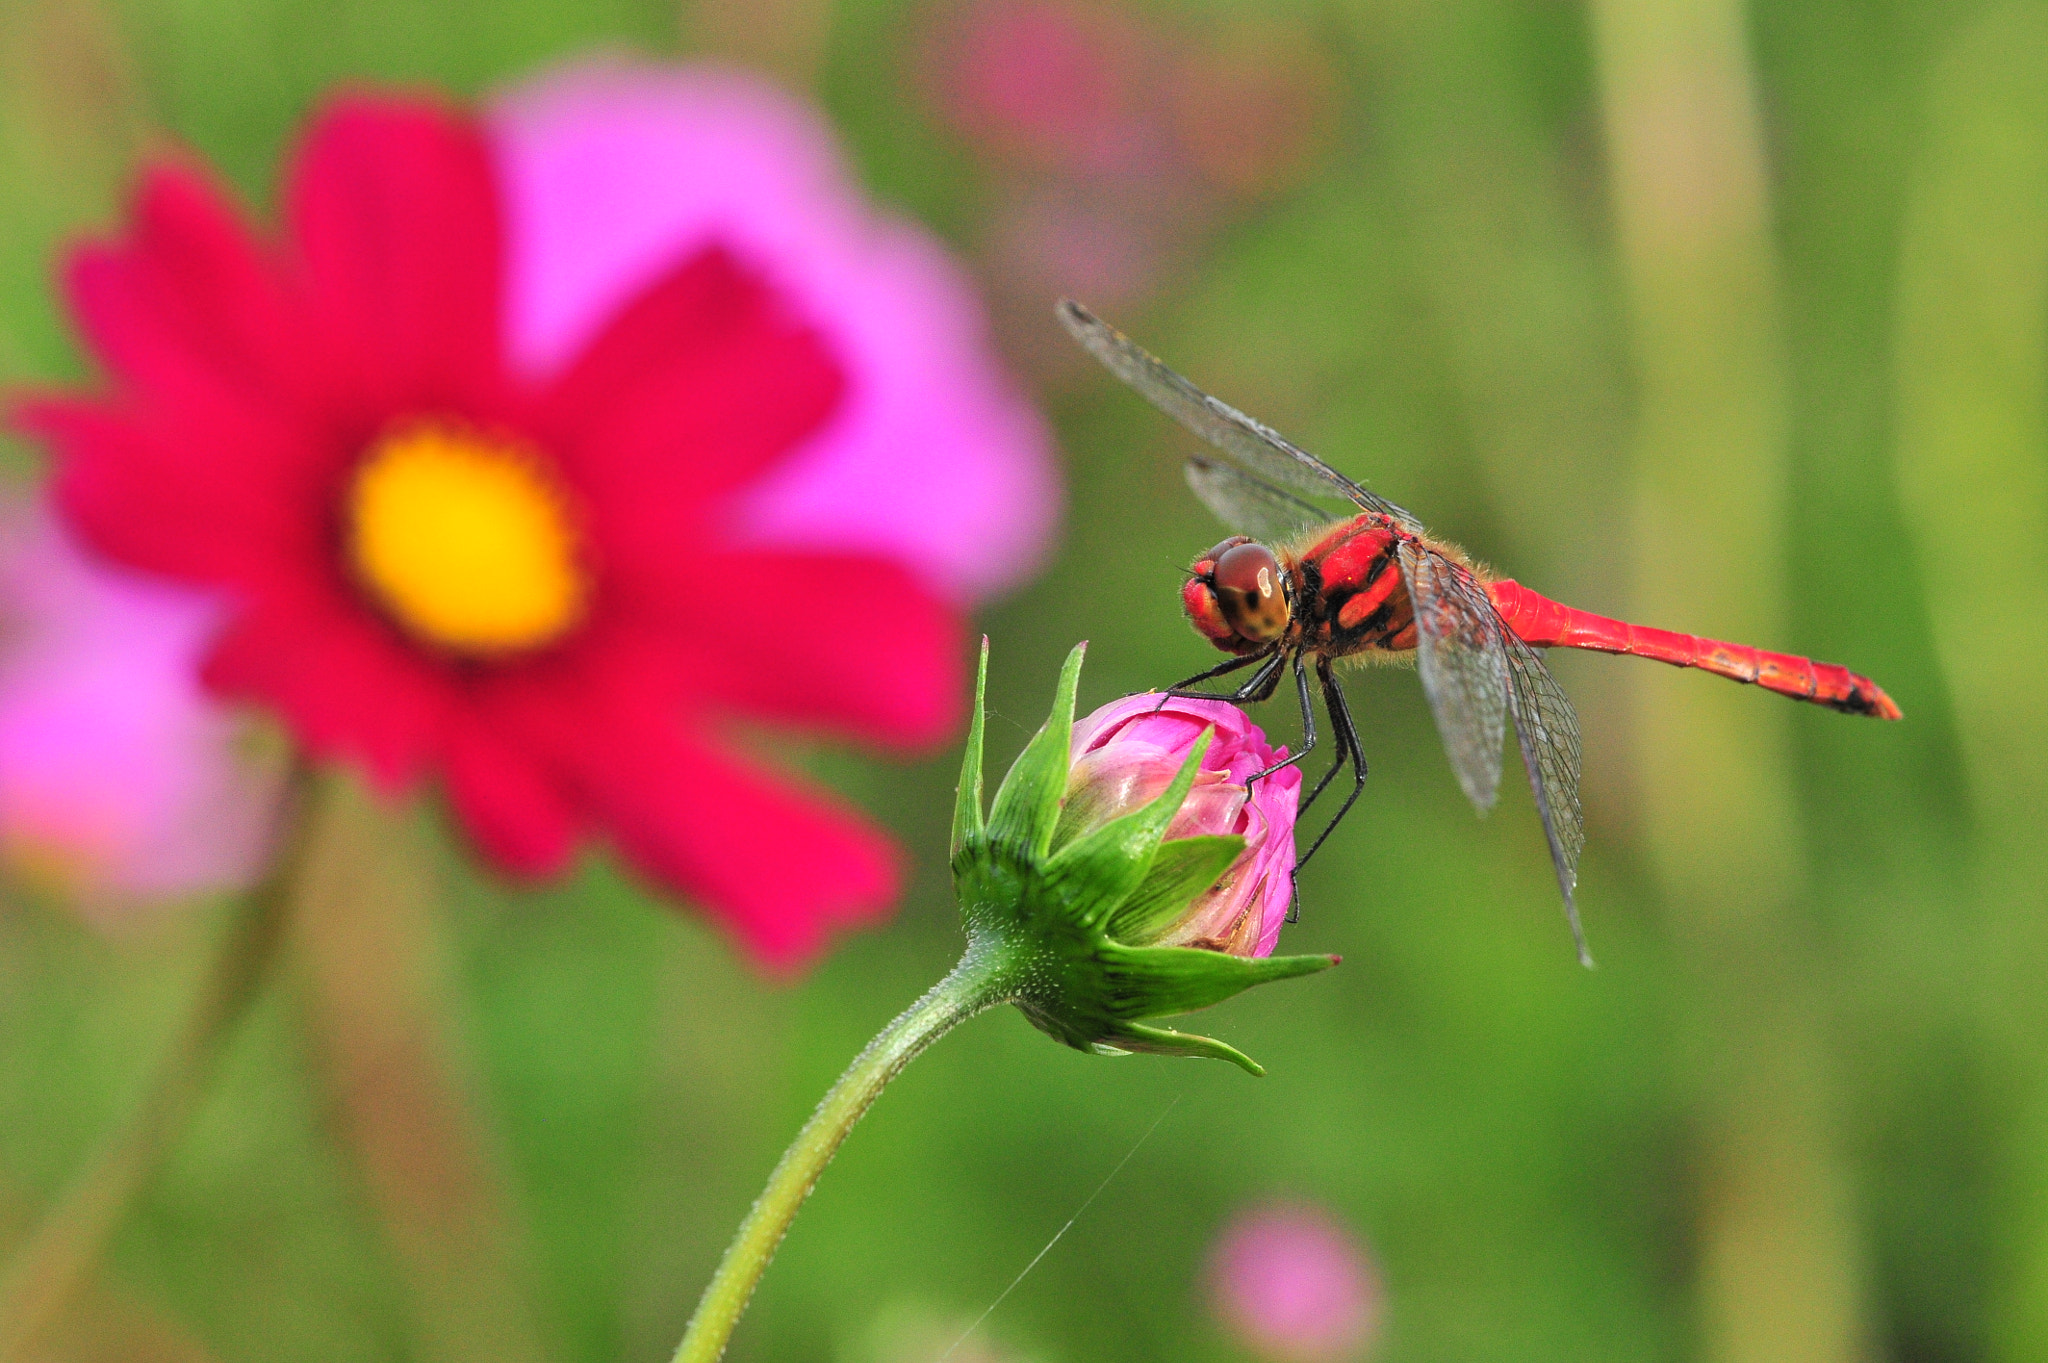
(640, 325)
(1128, 751)
(1294, 1286)
(613, 170)
(120, 781)
(1117, 141)
(1055, 84)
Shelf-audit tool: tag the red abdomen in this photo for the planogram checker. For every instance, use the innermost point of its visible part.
(1550, 624)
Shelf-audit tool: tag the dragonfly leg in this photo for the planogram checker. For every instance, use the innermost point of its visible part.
(1308, 728)
(1222, 669)
(1347, 741)
(1257, 689)
(1337, 764)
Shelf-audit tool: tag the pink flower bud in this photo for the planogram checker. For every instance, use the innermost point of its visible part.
(1126, 754)
(1294, 1286)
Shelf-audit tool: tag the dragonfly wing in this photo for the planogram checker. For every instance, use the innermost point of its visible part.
(1460, 651)
(1250, 505)
(1547, 730)
(1252, 445)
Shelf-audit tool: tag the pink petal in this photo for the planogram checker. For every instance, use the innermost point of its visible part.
(117, 773)
(1128, 750)
(613, 170)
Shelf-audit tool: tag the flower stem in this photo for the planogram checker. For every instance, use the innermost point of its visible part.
(47, 1270)
(974, 985)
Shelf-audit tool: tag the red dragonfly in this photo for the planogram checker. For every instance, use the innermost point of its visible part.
(1299, 586)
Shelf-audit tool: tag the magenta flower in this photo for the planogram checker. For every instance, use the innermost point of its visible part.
(538, 454)
(613, 170)
(121, 783)
(1126, 754)
(1294, 1286)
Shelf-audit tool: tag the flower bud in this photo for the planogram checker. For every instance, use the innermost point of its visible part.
(1125, 871)
(1127, 753)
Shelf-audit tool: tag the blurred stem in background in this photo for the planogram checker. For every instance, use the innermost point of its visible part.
(1780, 1259)
(45, 1273)
(376, 962)
(110, 1323)
(1972, 376)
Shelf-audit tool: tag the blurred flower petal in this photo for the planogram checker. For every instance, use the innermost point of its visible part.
(120, 781)
(613, 170)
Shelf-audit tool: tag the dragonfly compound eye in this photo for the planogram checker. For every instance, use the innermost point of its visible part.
(1250, 593)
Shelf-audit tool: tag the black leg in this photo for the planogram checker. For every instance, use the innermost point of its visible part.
(1223, 669)
(1259, 688)
(1308, 729)
(1347, 737)
(1337, 764)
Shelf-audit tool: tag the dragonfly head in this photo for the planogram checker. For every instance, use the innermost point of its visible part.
(1236, 596)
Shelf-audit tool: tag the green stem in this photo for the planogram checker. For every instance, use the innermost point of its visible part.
(47, 1270)
(973, 986)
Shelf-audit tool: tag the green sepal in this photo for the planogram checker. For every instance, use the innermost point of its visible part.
(1181, 869)
(1094, 874)
(967, 823)
(1127, 1037)
(1157, 981)
(1027, 806)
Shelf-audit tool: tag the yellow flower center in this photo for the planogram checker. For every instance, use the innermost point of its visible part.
(466, 540)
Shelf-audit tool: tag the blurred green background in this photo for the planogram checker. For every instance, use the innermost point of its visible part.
(1734, 320)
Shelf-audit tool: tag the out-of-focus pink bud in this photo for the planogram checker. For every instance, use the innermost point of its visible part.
(1127, 753)
(1294, 1286)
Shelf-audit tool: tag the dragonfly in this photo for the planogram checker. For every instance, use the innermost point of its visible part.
(1300, 588)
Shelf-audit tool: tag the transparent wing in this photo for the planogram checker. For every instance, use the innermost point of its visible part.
(1253, 446)
(1547, 730)
(1250, 505)
(1460, 651)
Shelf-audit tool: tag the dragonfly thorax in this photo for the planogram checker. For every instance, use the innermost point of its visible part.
(1237, 596)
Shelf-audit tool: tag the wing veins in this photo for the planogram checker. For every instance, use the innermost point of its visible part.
(1547, 731)
(1464, 668)
(1254, 446)
(1248, 503)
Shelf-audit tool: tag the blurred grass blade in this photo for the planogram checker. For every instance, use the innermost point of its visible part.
(1780, 1270)
(1972, 456)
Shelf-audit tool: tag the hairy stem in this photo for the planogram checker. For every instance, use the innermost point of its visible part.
(48, 1269)
(972, 987)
